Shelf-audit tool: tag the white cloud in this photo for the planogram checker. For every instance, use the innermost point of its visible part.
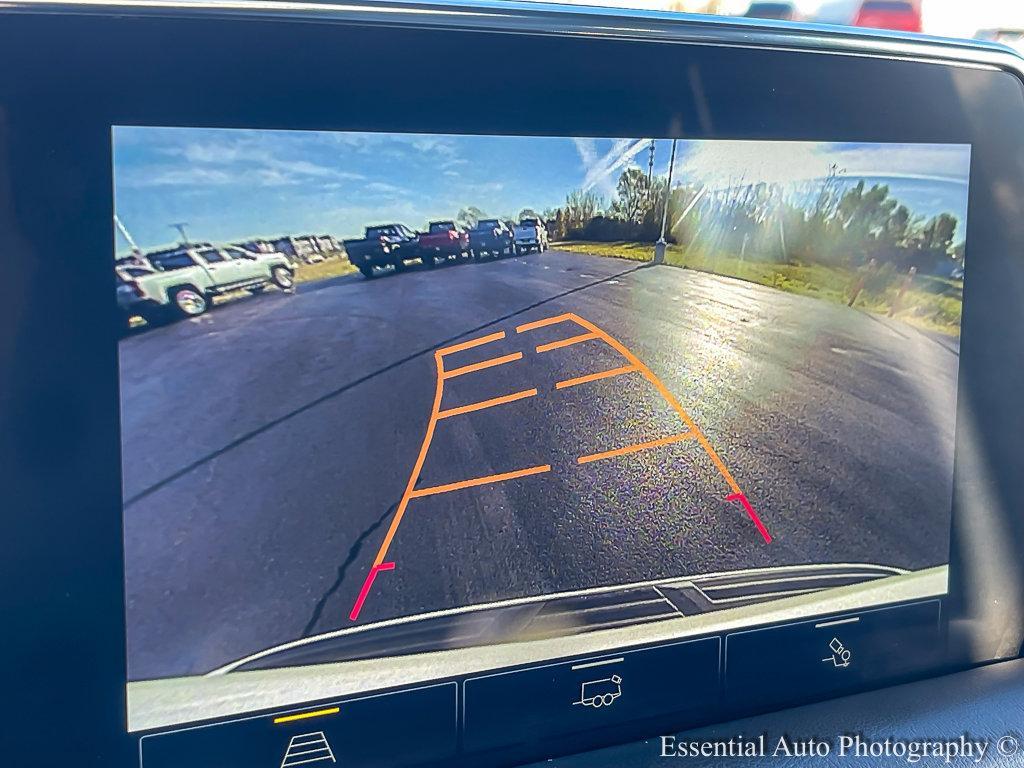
(602, 171)
(721, 164)
(248, 160)
(166, 176)
(351, 220)
(383, 188)
(587, 150)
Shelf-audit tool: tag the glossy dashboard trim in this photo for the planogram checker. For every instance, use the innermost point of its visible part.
(516, 16)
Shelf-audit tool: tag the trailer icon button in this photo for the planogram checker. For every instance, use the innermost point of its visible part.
(587, 694)
(600, 693)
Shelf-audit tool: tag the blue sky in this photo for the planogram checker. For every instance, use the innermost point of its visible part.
(230, 184)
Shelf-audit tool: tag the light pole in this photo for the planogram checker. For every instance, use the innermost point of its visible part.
(659, 247)
(126, 235)
(180, 226)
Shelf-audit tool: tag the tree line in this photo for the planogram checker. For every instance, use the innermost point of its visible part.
(469, 216)
(834, 221)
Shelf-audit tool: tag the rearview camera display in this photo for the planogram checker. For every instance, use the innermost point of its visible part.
(399, 407)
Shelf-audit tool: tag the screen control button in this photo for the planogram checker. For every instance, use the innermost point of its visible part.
(787, 663)
(358, 733)
(577, 696)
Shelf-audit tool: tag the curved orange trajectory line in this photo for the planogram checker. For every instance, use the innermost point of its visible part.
(646, 372)
(429, 435)
(378, 562)
(637, 365)
(435, 416)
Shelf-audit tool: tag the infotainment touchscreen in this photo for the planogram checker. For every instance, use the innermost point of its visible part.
(407, 408)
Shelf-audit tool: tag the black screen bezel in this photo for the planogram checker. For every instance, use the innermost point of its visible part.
(67, 79)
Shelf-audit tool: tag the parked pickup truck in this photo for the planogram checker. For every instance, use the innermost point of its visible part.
(491, 237)
(185, 278)
(441, 240)
(531, 235)
(384, 245)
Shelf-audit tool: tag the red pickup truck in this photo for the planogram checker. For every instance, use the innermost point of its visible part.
(442, 240)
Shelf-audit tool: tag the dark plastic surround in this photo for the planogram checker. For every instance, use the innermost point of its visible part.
(65, 79)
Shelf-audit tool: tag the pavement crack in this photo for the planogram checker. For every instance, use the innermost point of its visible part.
(353, 554)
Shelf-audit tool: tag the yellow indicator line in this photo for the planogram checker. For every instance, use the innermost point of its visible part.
(307, 715)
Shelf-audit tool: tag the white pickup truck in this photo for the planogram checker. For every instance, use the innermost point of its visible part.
(185, 279)
(531, 235)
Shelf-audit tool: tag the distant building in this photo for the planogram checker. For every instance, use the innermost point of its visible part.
(329, 244)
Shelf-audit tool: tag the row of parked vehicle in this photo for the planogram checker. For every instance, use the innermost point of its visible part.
(393, 245)
(183, 281)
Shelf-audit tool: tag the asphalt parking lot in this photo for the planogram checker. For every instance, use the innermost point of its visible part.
(271, 444)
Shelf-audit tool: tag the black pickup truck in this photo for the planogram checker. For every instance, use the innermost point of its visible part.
(383, 245)
(492, 237)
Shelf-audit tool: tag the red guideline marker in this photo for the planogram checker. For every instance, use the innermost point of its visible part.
(366, 588)
(742, 499)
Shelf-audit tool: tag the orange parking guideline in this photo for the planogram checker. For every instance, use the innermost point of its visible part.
(483, 364)
(546, 321)
(471, 343)
(403, 504)
(408, 494)
(623, 350)
(566, 342)
(635, 447)
(595, 376)
(486, 480)
(436, 414)
(487, 403)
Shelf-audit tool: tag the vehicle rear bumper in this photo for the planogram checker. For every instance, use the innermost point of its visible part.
(378, 259)
(141, 307)
(452, 249)
(490, 246)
